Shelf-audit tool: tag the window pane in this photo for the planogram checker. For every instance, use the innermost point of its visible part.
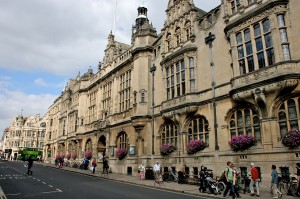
(239, 119)
(292, 109)
(259, 45)
(268, 40)
(249, 48)
(271, 57)
(239, 39)
(257, 133)
(281, 22)
(233, 133)
(247, 117)
(266, 26)
(294, 124)
(282, 115)
(257, 31)
(240, 131)
(240, 52)
(250, 64)
(261, 60)
(191, 61)
(283, 128)
(286, 52)
(247, 35)
(192, 75)
(192, 85)
(242, 66)
(283, 35)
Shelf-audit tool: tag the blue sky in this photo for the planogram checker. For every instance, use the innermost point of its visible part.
(45, 43)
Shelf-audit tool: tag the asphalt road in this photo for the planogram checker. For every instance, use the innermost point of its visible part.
(47, 182)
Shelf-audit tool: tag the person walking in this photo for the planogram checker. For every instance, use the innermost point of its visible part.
(94, 164)
(61, 162)
(105, 166)
(29, 166)
(229, 179)
(298, 177)
(274, 181)
(254, 180)
(142, 170)
(156, 168)
(235, 181)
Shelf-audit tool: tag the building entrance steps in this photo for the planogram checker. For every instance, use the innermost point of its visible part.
(170, 186)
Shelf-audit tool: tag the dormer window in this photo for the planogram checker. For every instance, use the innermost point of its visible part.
(168, 41)
(178, 36)
(235, 6)
(188, 30)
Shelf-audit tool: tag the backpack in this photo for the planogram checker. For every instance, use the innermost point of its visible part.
(223, 177)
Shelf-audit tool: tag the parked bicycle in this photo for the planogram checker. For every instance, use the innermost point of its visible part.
(287, 186)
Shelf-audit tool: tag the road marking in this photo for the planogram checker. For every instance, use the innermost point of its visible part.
(38, 180)
(44, 182)
(59, 190)
(51, 191)
(50, 185)
(2, 195)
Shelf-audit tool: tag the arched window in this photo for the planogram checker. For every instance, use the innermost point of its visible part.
(169, 134)
(122, 140)
(245, 122)
(188, 31)
(178, 36)
(288, 115)
(168, 41)
(198, 130)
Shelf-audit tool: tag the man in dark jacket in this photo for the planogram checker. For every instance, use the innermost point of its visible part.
(29, 166)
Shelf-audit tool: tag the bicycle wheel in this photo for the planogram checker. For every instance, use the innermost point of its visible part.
(221, 186)
(282, 187)
(293, 189)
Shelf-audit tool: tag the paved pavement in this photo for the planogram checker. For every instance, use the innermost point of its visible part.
(170, 186)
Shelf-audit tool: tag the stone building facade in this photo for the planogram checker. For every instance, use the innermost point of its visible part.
(207, 76)
(24, 132)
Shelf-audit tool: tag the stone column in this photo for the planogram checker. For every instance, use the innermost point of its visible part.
(267, 131)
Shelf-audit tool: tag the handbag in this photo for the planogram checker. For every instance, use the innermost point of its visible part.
(91, 168)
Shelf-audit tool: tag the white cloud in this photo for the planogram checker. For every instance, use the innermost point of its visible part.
(62, 37)
(12, 102)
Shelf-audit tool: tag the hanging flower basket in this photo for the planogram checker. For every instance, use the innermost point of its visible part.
(167, 149)
(291, 139)
(121, 153)
(194, 146)
(88, 155)
(68, 156)
(242, 142)
(74, 156)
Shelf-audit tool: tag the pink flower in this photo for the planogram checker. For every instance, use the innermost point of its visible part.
(121, 153)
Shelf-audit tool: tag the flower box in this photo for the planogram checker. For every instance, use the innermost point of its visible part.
(121, 153)
(291, 139)
(195, 145)
(68, 156)
(73, 156)
(242, 142)
(88, 155)
(167, 149)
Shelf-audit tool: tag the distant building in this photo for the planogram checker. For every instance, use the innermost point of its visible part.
(24, 132)
(209, 76)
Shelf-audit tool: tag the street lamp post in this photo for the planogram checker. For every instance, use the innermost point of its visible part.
(152, 70)
(209, 41)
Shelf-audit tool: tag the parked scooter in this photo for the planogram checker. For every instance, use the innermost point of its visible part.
(207, 182)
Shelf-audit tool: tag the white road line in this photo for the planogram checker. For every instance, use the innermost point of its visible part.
(38, 180)
(44, 182)
(59, 190)
(50, 185)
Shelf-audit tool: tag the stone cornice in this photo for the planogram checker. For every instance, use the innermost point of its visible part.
(179, 53)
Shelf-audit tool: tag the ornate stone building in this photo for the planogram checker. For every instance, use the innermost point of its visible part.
(206, 76)
(24, 132)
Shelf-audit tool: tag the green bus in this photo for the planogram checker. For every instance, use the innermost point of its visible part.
(26, 152)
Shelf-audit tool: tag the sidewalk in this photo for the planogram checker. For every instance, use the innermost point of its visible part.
(170, 186)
